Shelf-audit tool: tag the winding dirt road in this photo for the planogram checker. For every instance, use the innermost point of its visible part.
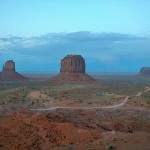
(84, 108)
(118, 105)
(88, 108)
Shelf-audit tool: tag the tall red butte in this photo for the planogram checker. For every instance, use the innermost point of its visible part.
(72, 71)
(8, 73)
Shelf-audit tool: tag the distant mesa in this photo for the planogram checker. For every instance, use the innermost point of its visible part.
(9, 73)
(73, 63)
(145, 71)
(72, 71)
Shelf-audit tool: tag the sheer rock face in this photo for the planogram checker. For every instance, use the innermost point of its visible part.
(9, 66)
(145, 71)
(73, 63)
(9, 73)
(72, 71)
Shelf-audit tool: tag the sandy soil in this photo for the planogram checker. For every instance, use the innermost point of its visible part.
(38, 95)
(77, 129)
(63, 105)
(122, 124)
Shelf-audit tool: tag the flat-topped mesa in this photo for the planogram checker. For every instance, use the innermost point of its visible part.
(72, 64)
(145, 71)
(8, 73)
(72, 71)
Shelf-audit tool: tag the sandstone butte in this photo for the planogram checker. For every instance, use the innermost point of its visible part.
(73, 71)
(145, 71)
(9, 73)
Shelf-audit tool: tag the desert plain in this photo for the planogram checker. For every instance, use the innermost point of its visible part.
(113, 113)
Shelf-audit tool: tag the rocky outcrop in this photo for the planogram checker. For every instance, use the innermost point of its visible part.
(9, 73)
(72, 71)
(145, 71)
(73, 63)
(9, 66)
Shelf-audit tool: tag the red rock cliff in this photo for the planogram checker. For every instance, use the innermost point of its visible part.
(73, 63)
(72, 71)
(9, 73)
(9, 65)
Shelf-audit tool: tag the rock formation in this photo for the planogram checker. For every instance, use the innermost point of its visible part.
(73, 63)
(145, 71)
(9, 73)
(72, 71)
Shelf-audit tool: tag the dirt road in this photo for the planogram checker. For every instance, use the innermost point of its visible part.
(84, 108)
(88, 108)
(118, 105)
(140, 93)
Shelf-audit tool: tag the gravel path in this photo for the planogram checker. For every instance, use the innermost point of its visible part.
(88, 108)
(83, 108)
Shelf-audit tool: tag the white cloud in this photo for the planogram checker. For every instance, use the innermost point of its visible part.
(106, 58)
(94, 47)
(29, 43)
(102, 57)
(5, 44)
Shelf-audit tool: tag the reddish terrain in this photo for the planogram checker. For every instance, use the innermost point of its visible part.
(79, 129)
(88, 123)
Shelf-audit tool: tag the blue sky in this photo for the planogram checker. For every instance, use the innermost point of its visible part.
(112, 35)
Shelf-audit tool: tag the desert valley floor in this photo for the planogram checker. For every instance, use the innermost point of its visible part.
(113, 113)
